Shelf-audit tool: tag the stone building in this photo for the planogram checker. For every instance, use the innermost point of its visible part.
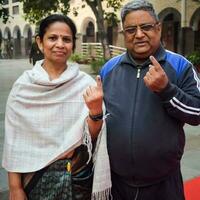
(180, 19)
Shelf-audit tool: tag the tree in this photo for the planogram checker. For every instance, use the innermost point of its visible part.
(100, 15)
(36, 10)
(4, 15)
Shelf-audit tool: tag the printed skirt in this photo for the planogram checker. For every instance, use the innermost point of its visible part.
(62, 180)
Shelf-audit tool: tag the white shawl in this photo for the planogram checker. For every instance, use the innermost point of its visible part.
(45, 119)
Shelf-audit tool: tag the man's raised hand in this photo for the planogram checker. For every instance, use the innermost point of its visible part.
(155, 79)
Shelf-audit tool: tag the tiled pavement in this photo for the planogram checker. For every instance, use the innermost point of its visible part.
(11, 69)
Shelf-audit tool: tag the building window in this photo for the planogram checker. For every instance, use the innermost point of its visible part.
(15, 1)
(15, 10)
(5, 2)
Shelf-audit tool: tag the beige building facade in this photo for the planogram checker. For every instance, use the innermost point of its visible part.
(180, 20)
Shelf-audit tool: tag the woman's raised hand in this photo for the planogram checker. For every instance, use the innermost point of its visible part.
(93, 97)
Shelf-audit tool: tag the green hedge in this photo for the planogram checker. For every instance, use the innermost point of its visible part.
(79, 58)
(194, 58)
(96, 64)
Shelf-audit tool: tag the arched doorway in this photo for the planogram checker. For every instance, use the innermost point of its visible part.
(7, 51)
(17, 42)
(195, 24)
(170, 19)
(7, 34)
(27, 39)
(110, 34)
(89, 33)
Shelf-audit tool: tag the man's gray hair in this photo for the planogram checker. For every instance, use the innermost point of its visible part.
(138, 5)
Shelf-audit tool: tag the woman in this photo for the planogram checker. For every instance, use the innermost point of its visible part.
(50, 120)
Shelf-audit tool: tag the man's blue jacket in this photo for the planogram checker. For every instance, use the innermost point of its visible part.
(145, 129)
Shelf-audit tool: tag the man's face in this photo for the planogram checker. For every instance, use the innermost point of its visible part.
(142, 34)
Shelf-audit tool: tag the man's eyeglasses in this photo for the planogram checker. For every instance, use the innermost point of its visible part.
(145, 28)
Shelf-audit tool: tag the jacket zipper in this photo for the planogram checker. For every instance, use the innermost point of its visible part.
(138, 72)
(134, 108)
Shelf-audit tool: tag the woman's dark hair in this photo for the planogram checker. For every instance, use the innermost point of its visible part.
(44, 24)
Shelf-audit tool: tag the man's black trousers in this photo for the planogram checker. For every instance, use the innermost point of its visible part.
(169, 189)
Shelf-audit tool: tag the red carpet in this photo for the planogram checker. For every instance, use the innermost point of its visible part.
(192, 189)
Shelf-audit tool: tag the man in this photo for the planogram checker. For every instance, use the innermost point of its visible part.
(35, 53)
(150, 93)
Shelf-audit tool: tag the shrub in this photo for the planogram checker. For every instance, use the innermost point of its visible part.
(96, 64)
(79, 58)
(194, 58)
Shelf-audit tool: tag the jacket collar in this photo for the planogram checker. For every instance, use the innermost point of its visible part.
(160, 55)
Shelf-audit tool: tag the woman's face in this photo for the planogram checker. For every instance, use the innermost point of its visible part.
(57, 43)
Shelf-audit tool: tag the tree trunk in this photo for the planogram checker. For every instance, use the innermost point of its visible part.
(102, 31)
(97, 9)
(102, 36)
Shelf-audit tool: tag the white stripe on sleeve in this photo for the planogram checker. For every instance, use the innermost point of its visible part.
(197, 79)
(182, 109)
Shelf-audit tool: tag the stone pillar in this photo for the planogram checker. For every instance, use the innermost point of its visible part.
(78, 43)
(120, 40)
(23, 51)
